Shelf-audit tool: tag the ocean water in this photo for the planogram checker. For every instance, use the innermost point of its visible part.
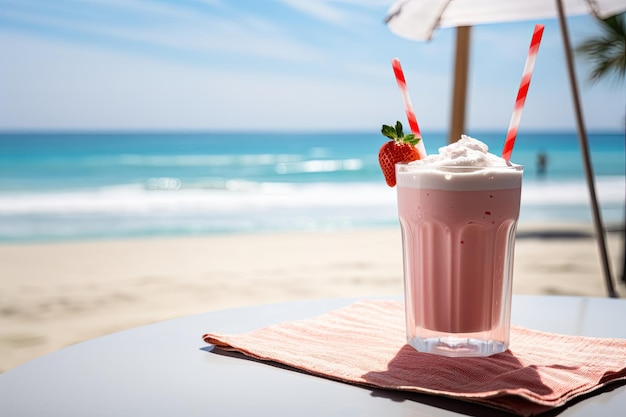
(67, 186)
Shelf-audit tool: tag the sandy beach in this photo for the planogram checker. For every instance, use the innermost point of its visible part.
(56, 294)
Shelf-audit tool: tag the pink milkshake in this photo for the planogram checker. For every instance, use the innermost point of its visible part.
(458, 213)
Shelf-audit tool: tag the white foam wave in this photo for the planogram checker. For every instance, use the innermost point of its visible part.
(236, 196)
(282, 163)
(609, 190)
(205, 160)
(224, 196)
(318, 165)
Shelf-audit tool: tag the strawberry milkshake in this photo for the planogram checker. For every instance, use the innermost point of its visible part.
(458, 213)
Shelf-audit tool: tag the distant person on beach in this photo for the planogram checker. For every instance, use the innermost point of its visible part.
(542, 163)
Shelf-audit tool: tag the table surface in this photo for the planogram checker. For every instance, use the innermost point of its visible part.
(165, 369)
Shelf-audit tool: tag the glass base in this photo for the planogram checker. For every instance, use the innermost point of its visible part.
(457, 346)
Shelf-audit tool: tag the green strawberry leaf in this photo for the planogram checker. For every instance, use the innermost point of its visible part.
(390, 132)
(411, 139)
(399, 131)
(397, 134)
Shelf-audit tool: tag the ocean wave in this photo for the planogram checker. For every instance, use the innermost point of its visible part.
(205, 160)
(319, 165)
(163, 161)
(609, 190)
(235, 196)
(218, 195)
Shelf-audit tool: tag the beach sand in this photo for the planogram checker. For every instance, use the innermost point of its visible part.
(56, 294)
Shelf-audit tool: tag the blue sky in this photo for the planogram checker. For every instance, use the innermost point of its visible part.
(270, 65)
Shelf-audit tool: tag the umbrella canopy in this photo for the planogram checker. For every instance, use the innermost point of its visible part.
(433, 14)
(418, 20)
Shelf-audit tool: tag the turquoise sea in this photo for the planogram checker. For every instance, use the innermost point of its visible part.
(68, 186)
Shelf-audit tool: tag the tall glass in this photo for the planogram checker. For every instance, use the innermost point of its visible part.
(458, 234)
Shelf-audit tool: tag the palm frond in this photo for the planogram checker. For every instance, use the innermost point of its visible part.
(607, 52)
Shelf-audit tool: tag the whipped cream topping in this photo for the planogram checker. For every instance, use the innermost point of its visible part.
(467, 152)
(464, 165)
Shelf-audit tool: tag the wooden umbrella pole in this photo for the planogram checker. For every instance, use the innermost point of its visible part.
(459, 94)
(584, 147)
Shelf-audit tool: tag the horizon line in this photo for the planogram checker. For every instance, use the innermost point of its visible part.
(73, 131)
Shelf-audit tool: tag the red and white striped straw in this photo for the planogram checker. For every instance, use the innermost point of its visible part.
(522, 93)
(408, 107)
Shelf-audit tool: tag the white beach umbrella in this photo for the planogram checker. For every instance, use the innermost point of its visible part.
(433, 14)
(418, 20)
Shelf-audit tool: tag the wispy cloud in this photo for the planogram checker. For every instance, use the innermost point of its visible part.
(343, 13)
(166, 27)
(322, 10)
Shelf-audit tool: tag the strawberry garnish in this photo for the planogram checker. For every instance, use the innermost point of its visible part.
(400, 148)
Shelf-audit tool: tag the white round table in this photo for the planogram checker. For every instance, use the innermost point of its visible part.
(165, 369)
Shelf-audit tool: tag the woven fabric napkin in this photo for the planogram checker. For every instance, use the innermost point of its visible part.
(364, 343)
